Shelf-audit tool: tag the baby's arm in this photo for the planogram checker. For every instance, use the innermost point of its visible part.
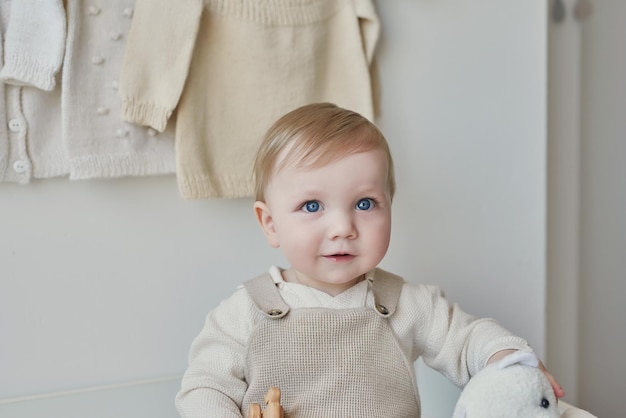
(450, 340)
(558, 390)
(214, 383)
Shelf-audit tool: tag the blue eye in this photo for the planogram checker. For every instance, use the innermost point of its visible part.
(365, 204)
(311, 206)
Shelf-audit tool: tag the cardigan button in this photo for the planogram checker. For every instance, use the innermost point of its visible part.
(20, 167)
(382, 309)
(15, 125)
(274, 312)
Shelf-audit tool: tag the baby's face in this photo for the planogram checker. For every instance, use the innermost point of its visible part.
(333, 223)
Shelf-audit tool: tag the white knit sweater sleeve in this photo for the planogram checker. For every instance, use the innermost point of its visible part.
(158, 53)
(214, 383)
(448, 339)
(34, 44)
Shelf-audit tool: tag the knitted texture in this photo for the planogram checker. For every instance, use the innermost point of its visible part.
(331, 364)
(230, 68)
(31, 142)
(34, 43)
(76, 129)
(99, 142)
(233, 352)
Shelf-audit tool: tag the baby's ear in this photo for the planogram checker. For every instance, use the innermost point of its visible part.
(266, 221)
(519, 357)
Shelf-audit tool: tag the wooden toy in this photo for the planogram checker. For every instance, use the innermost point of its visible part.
(254, 411)
(273, 409)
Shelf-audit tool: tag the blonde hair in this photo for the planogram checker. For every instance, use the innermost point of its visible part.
(315, 135)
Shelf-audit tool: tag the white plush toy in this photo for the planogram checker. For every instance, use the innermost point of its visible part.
(513, 387)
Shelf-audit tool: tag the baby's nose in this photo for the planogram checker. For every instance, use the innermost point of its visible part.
(342, 226)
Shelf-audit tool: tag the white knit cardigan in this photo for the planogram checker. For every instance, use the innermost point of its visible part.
(63, 118)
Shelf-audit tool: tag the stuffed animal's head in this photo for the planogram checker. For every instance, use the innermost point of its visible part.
(513, 387)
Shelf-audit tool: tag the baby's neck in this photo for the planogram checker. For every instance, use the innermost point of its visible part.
(292, 276)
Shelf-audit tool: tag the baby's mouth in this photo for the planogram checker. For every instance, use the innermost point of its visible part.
(339, 257)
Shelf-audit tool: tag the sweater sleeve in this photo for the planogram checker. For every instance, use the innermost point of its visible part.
(214, 384)
(369, 25)
(450, 340)
(34, 44)
(156, 60)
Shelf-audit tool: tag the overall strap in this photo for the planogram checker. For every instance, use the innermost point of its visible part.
(264, 293)
(386, 288)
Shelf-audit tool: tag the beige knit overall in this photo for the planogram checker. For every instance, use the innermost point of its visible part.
(330, 362)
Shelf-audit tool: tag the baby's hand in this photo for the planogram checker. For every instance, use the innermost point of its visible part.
(558, 390)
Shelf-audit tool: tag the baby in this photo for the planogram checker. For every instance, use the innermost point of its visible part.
(334, 332)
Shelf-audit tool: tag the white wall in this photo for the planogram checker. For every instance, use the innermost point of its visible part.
(105, 282)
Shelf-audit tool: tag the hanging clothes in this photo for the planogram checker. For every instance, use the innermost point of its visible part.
(35, 43)
(75, 128)
(230, 68)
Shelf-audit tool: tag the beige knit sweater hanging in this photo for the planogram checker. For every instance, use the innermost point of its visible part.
(229, 68)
